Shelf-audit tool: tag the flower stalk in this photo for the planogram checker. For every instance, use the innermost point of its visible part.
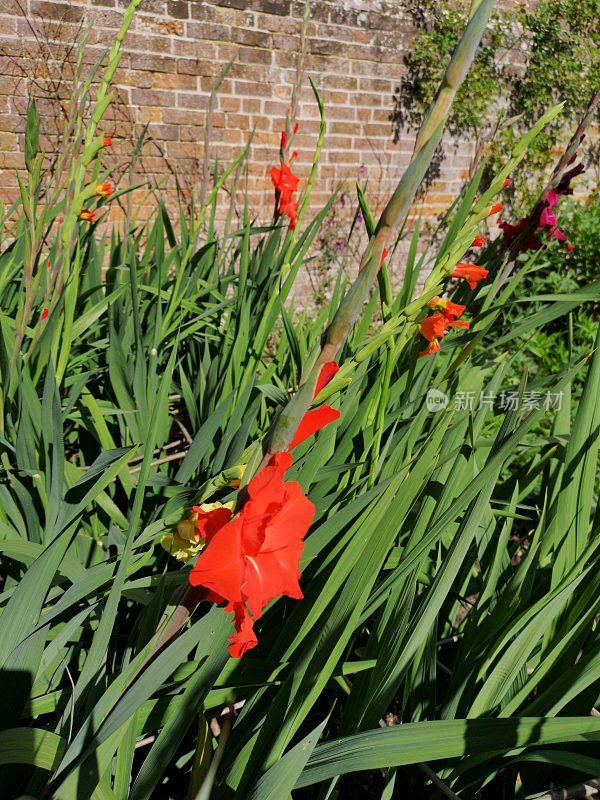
(393, 215)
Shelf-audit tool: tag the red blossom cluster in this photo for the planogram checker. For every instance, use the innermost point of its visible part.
(254, 556)
(285, 183)
(436, 326)
(472, 273)
(543, 217)
(105, 190)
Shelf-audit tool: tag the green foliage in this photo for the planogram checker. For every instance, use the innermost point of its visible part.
(557, 272)
(450, 576)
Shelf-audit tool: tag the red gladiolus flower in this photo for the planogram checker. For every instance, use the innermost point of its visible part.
(548, 219)
(44, 315)
(328, 371)
(570, 247)
(384, 254)
(107, 141)
(512, 232)
(506, 183)
(285, 183)
(313, 421)
(432, 348)
(317, 418)
(295, 128)
(470, 272)
(290, 209)
(436, 326)
(255, 557)
(88, 216)
(447, 306)
(105, 189)
(208, 523)
(543, 217)
(564, 185)
(478, 241)
(495, 209)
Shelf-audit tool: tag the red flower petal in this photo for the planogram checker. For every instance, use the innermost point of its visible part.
(244, 638)
(270, 476)
(209, 522)
(220, 566)
(328, 371)
(313, 421)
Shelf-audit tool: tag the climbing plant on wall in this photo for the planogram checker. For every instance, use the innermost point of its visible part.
(531, 57)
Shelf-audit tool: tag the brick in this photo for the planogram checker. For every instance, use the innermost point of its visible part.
(155, 63)
(65, 12)
(8, 141)
(207, 84)
(251, 104)
(197, 66)
(153, 97)
(207, 30)
(148, 6)
(252, 55)
(319, 11)
(165, 132)
(144, 42)
(8, 27)
(267, 22)
(172, 80)
(135, 78)
(203, 11)
(279, 7)
(179, 9)
(196, 101)
(165, 27)
(12, 122)
(252, 89)
(191, 133)
(242, 4)
(251, 37)
(229, 103)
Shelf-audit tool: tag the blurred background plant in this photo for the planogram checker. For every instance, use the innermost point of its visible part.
(559, 271)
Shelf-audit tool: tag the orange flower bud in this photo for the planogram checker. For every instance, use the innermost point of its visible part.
(105, 189)
(472, 273)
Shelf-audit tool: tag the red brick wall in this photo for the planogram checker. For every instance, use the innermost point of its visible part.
(172, 54)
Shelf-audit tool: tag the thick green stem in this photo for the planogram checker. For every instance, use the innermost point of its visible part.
(395, 212)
